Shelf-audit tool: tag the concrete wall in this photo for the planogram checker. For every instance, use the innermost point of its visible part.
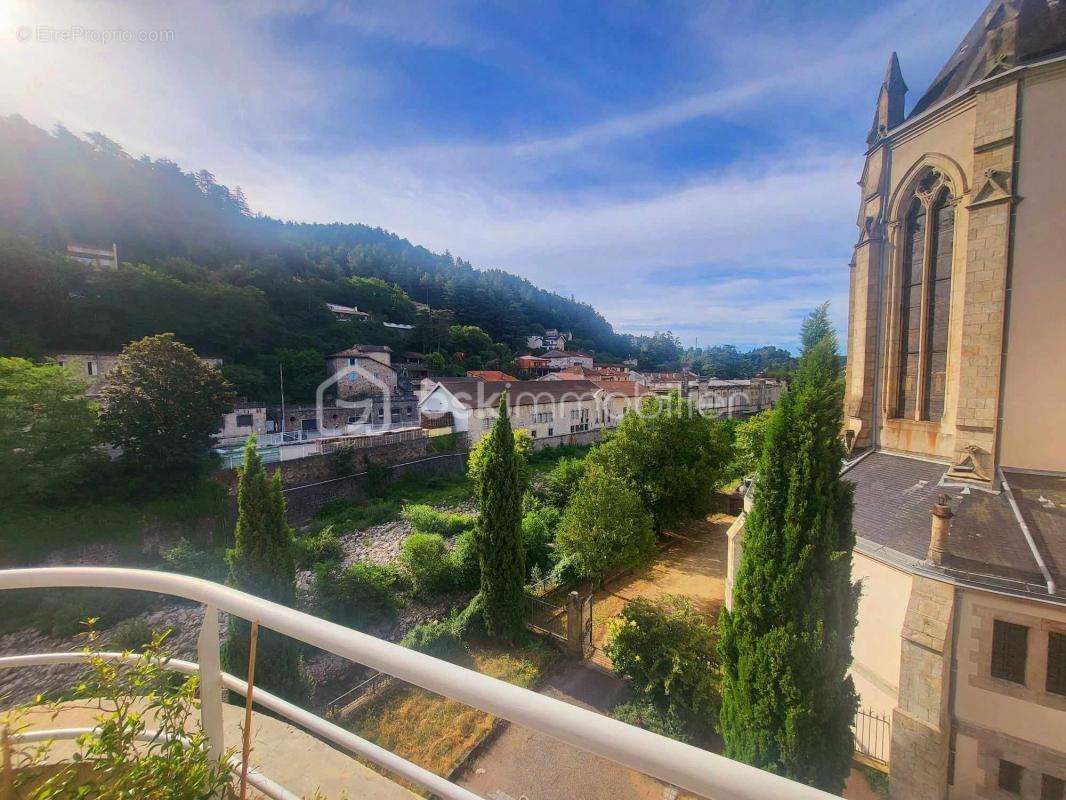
(1000, 719)
(1033, 435)
(303, 502)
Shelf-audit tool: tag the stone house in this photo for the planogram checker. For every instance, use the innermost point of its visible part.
(243, 421)
(954, 413)
(362, 371)
(551, 339)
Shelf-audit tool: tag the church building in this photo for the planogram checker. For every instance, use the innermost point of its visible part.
(955, 419)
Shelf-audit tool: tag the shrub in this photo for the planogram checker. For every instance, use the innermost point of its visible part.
(562, 481)
(647, 715)
(345, 515)
(186, 559)
(538, 534)
(433, 638)
(466, 568)
(362, 595)
(605, 526)
(175, 763)
(666, 648)
(469, 624)
(63, 613)
(426, 519)
(316, 547)
(133, 634)
(427, 561)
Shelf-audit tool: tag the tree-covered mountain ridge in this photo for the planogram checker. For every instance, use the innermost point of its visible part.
(61, 188)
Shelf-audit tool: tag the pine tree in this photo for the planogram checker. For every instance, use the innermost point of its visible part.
(499, 538)
(787, 700)
(262, 562)
(816, 327)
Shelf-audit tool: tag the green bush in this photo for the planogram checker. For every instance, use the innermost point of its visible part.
(174, 763)
(433, 638)
(186, 559)
(316, 547)
(377, 478)
(560, 483)
(647, 715)
(63, 612)
(666, 649)
(131, 634)
(604, 527)
(344, 515)
(469, 624)
(466, 568)
(426, 519)
(538, 535)
(362, 595)
(427, 561)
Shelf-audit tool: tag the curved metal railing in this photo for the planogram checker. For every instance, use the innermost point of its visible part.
(689, 768)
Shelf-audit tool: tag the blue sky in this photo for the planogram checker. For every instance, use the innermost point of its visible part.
(682, 166)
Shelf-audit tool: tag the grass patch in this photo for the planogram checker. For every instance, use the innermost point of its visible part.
(431, 490)
(544, 460)
(436, 732)
(29, 533)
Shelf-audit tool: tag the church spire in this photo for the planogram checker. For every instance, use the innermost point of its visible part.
(889, 111)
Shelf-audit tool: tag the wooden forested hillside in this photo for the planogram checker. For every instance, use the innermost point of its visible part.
(224, 279)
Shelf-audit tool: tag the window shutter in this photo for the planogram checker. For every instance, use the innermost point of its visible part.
(1009, 650)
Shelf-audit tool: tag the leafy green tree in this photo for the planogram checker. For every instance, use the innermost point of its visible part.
(161, 404)
(671, 455)
(48, 428)
(499, 491)
(748, 440)
(263, 563)
(604, 526)
(787, 699)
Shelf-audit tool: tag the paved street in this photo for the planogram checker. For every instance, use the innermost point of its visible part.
(522, 763)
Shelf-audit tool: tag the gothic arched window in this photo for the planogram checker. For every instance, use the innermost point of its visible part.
(925, 299)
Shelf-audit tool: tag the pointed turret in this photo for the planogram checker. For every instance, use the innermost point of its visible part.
(889, 111)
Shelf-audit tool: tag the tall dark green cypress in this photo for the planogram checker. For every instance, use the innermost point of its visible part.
(499, 538)
(787, 700)
(262, 563)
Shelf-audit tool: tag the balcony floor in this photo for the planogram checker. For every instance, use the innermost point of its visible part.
(285, 754)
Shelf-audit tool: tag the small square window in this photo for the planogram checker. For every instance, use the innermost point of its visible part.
(1056, 663)
(1010, 777)
(1052, 788)
(1010, 644)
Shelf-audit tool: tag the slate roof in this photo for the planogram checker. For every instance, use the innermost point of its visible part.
(894, 497)
(1008, 33)
(362, 349)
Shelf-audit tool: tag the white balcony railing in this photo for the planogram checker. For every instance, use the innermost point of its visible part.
(689, 768)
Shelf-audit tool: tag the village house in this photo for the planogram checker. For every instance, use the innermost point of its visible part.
(742, 396)
(558, 359)
(618, 397)
(547, 409)
(532, 366)
(954, 413)
(94, 257)
(346, 313)
(362, 370)
(489, 375)
(551, 339)
(244, 421)
(682, 382)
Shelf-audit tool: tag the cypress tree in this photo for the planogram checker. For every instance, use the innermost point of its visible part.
(787, 700)
(500, 550)
(262, 562)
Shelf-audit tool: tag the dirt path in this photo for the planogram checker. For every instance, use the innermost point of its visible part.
(524, 763)
(692, 565)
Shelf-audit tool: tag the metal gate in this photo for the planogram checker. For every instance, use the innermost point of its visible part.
(548, 618)
(873, 735)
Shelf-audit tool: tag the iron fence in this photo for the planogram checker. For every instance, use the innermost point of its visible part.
(873, 734)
